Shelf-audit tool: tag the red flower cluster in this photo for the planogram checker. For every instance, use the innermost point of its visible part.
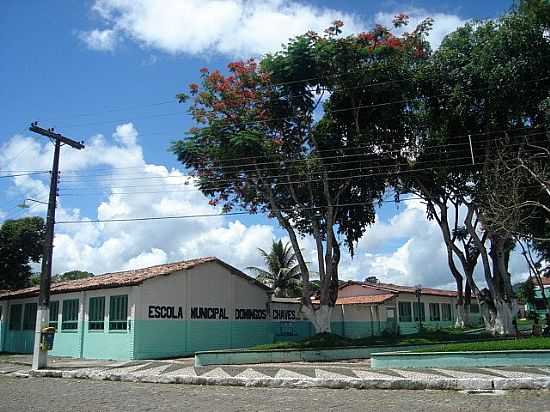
(366, 36)
(194, 88)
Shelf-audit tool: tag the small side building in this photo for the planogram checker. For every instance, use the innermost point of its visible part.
(539, 306)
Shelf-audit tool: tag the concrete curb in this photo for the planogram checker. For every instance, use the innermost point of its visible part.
(337, 383)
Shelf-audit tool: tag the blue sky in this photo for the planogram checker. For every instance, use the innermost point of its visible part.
(90, 67)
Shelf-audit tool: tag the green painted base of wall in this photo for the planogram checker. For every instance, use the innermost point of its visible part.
(18, 341)
(460, 359)
(156, 339)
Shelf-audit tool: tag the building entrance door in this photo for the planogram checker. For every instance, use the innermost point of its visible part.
(391, 321)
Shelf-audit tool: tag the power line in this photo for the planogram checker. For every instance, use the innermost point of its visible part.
(287, 183)
(23, 174)
(278, 163)
(275, 176)
(272, 177)
(198, 216)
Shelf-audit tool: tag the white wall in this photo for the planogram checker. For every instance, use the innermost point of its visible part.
(209, 285)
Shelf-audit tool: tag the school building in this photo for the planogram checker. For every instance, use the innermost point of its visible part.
(180, 308)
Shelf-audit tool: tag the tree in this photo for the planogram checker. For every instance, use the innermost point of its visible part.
(283, 273)
(485, 86)
(21, 242)
(526, 292)
(72, 275)
(259, 146)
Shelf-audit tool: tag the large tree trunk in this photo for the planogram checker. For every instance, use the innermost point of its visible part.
(498, 304)
(319, 317)
(467, 303)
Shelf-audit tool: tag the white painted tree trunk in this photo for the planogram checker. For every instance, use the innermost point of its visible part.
(459, 324)
(505, 314)
(320, 318)
(488, 319)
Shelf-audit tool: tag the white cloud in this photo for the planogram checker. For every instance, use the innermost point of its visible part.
(241, 28)
(413, 253)
(237, 28)
(104, 40)
(146, 259)
(107, 247)
(443, 23)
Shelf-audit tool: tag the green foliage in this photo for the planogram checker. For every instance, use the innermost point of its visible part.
(532, 343)
(526, 291)
(283, 273)
(327, 340)
(21, 242)
(72, 275)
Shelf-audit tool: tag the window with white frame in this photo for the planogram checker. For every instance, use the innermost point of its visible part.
(118, 312)
(69, 317)
(96, 313)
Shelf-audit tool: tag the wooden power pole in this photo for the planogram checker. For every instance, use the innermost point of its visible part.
(40, 354)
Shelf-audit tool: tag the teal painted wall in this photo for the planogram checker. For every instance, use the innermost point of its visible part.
(68, 342)
(19, 341)
(107, 344)
(409, 328)
(168, 338)
(159, 338)
(245, 334)
(291, 331)
(357, 329)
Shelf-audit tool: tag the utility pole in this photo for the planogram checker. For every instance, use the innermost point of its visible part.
(40, 355)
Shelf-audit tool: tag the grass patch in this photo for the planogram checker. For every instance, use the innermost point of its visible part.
(539, 342)
(328, 340)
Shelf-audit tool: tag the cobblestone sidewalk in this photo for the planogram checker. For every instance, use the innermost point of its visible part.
(299, 375)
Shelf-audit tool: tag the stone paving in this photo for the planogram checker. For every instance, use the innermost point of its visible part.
(348, 374)
(62, 395)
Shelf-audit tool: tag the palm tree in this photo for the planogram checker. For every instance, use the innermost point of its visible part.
(283, 273)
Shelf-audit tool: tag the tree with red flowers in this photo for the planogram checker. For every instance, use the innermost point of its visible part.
(306, 136)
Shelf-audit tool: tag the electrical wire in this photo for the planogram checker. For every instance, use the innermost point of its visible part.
(278, 164)
(206, 215)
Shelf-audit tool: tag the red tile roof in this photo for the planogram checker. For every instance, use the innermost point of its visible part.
(390, 287)
(364, 299)
(125, 278)
(350, 300)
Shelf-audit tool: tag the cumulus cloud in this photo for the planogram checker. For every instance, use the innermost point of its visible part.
(443, 23)
(116, 165)
(104, 40)
(239, 28)
(413, 253)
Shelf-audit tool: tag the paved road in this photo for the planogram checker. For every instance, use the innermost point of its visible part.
(21, 394)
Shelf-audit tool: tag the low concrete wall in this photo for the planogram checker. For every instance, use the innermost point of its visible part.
(460, 359)
(241, 357)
